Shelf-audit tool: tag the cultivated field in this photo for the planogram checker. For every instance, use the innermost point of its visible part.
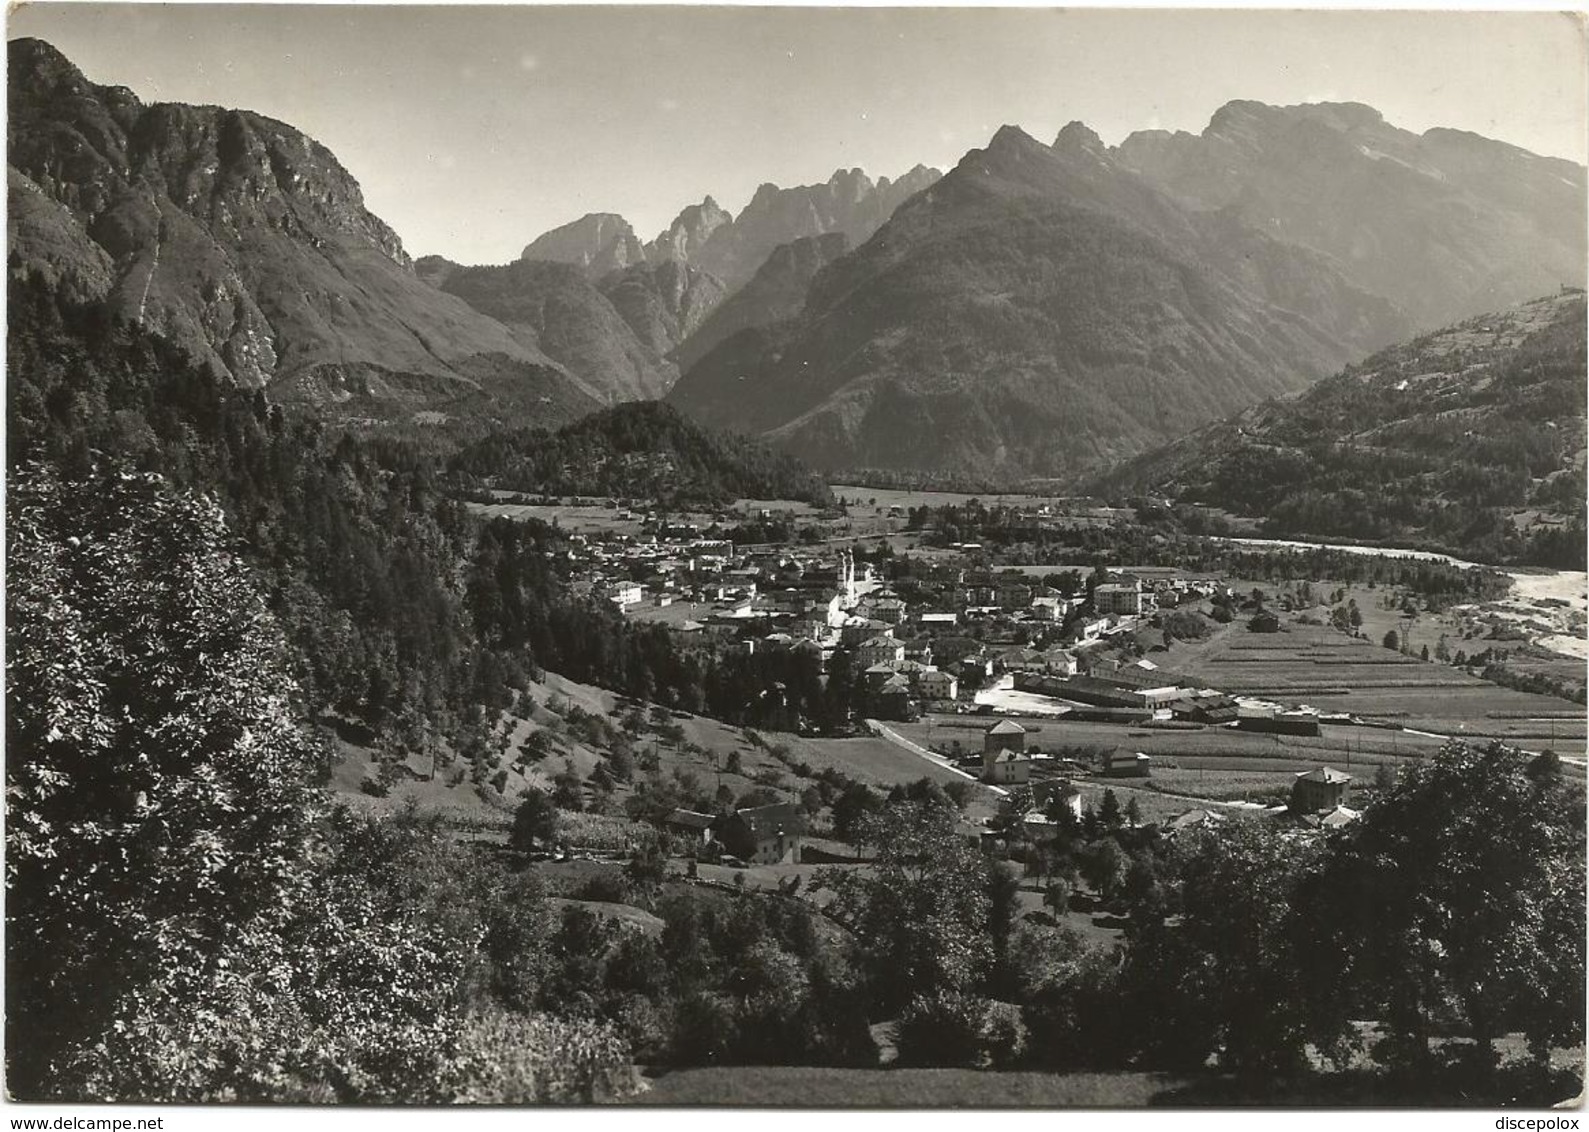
(1327, 669)
(862, 497)
(1422, 703)
(576, 520)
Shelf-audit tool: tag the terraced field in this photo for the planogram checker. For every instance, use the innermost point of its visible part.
(1333, 672)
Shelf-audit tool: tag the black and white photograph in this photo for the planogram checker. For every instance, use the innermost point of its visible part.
(741, 558)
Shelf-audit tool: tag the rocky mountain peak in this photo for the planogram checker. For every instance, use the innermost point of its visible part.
(1239, 122)
(599, 242)
(852, 185)
(1011, 155)
(243, 242)
(1078, 138)
(1341, 115)
(86, 145)
(1011, 138)
(689, 231)
(1249, 123)
(36, 66)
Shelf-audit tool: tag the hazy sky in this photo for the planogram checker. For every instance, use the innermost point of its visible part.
(474, 129)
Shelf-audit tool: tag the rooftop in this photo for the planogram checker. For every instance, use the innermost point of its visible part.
(1324, 774)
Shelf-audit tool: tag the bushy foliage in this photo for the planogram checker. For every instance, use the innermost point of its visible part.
(944, 1028)
(1004, 1036)
(513, 1059)
(922, 910)
(156, 774)
(1488, 930)
(185, 920)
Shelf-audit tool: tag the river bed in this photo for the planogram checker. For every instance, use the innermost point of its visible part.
(1555, 598)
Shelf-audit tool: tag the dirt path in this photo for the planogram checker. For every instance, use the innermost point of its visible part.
(1192, 800)
(882, 731)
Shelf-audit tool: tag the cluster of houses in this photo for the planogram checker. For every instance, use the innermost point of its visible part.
(773, 834)
(800, 595)
(921, 656)
(911, 654)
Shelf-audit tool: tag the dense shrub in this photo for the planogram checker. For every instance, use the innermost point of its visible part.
(1004, 1035)
(943, 1029)
(510, 1059)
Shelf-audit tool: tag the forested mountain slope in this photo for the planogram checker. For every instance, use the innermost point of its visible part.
(645, 450)
(1470, 439)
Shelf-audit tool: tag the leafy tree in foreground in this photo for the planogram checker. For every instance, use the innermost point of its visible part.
(185, 923)
(1458, 897)
(156, 779)
(922, 912)
(1237, 893)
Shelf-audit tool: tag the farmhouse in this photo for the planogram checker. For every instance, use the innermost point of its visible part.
(1058, 662)
(1006, 768)
(625, 594)
(764, 835)
(690, 825)
(1004, 758)
(1006, 735)
(1321, 789)
(1051, 608)
(892, 699)
(1018, 659)
(877, 674)
(1120, 763)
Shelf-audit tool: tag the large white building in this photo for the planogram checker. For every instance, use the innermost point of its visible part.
(1125, 598)
(625, 594)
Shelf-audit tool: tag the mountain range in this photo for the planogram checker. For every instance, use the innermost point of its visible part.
(665, 290)
(615, 333)
(1050, 309)
(733, 248)
(1042, 309)
(248, 244)
(1445, 224)
(1038, 310)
